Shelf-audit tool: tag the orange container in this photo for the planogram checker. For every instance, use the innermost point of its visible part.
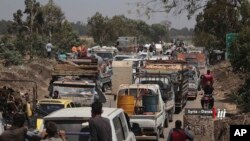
(126, 102)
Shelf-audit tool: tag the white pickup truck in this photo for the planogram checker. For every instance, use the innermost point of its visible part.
(167, 91)
(74, 121)
(145, 108)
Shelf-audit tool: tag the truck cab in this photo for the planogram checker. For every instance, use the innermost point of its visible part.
(74, 121)
(82, 93)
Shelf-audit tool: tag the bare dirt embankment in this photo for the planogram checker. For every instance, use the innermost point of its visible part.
(38, 70)
(227, 82)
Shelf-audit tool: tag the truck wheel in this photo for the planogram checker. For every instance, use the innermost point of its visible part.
(104, 88)
(159, 134)
(160, 131)
(166, 122)
(171, 114)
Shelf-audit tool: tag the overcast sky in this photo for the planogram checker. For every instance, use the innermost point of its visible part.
(80, 10)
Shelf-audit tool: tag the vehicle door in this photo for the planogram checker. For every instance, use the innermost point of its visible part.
(170, 96)
(122, 132)
(161, 114)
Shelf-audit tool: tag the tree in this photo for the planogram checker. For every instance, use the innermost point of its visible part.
(159, 32)
(80, 28)
(42, 24)
(240, 52)
(217, 19)
(98, 28)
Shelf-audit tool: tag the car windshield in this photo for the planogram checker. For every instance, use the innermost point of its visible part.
(191, 75)
(105, 55)
(120, 58)
(49, 108)
(64, 89)
(134, 92)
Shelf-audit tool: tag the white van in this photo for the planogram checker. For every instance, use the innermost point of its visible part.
(74, 121)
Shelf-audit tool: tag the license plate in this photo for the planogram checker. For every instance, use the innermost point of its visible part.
(206, 98)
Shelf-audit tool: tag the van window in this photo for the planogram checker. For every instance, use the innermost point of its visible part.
(118, 129)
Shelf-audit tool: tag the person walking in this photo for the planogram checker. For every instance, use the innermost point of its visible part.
(179, 134)
(17, 131)
(100, 129)
(49, 49)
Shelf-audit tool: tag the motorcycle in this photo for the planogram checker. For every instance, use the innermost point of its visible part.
(207, 101)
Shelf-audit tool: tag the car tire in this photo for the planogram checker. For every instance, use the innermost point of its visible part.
(171, 115)
(166, 122)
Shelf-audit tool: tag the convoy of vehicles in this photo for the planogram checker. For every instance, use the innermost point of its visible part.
(148, 90)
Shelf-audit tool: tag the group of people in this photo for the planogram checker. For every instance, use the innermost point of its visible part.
(79, 51)
(100, 128)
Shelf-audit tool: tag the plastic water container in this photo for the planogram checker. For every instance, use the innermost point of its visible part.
(150, 103)
(126, 102)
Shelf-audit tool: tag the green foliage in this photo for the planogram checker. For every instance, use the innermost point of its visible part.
(4, 26)
(240, 52)
(66, 38)
(106, 31)
(43, 24)
(99, 28)
(80, 28)
(242, 97)
(10, 56)
(217, 19)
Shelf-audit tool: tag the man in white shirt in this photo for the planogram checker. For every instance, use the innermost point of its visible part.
(49, 48)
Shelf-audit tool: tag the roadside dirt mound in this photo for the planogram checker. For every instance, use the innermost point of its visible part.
(222, 127)
(226, 82)
(38, 71)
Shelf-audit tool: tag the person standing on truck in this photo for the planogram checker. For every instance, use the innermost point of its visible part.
(100, 129)
(74, 52)
(179, 134)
